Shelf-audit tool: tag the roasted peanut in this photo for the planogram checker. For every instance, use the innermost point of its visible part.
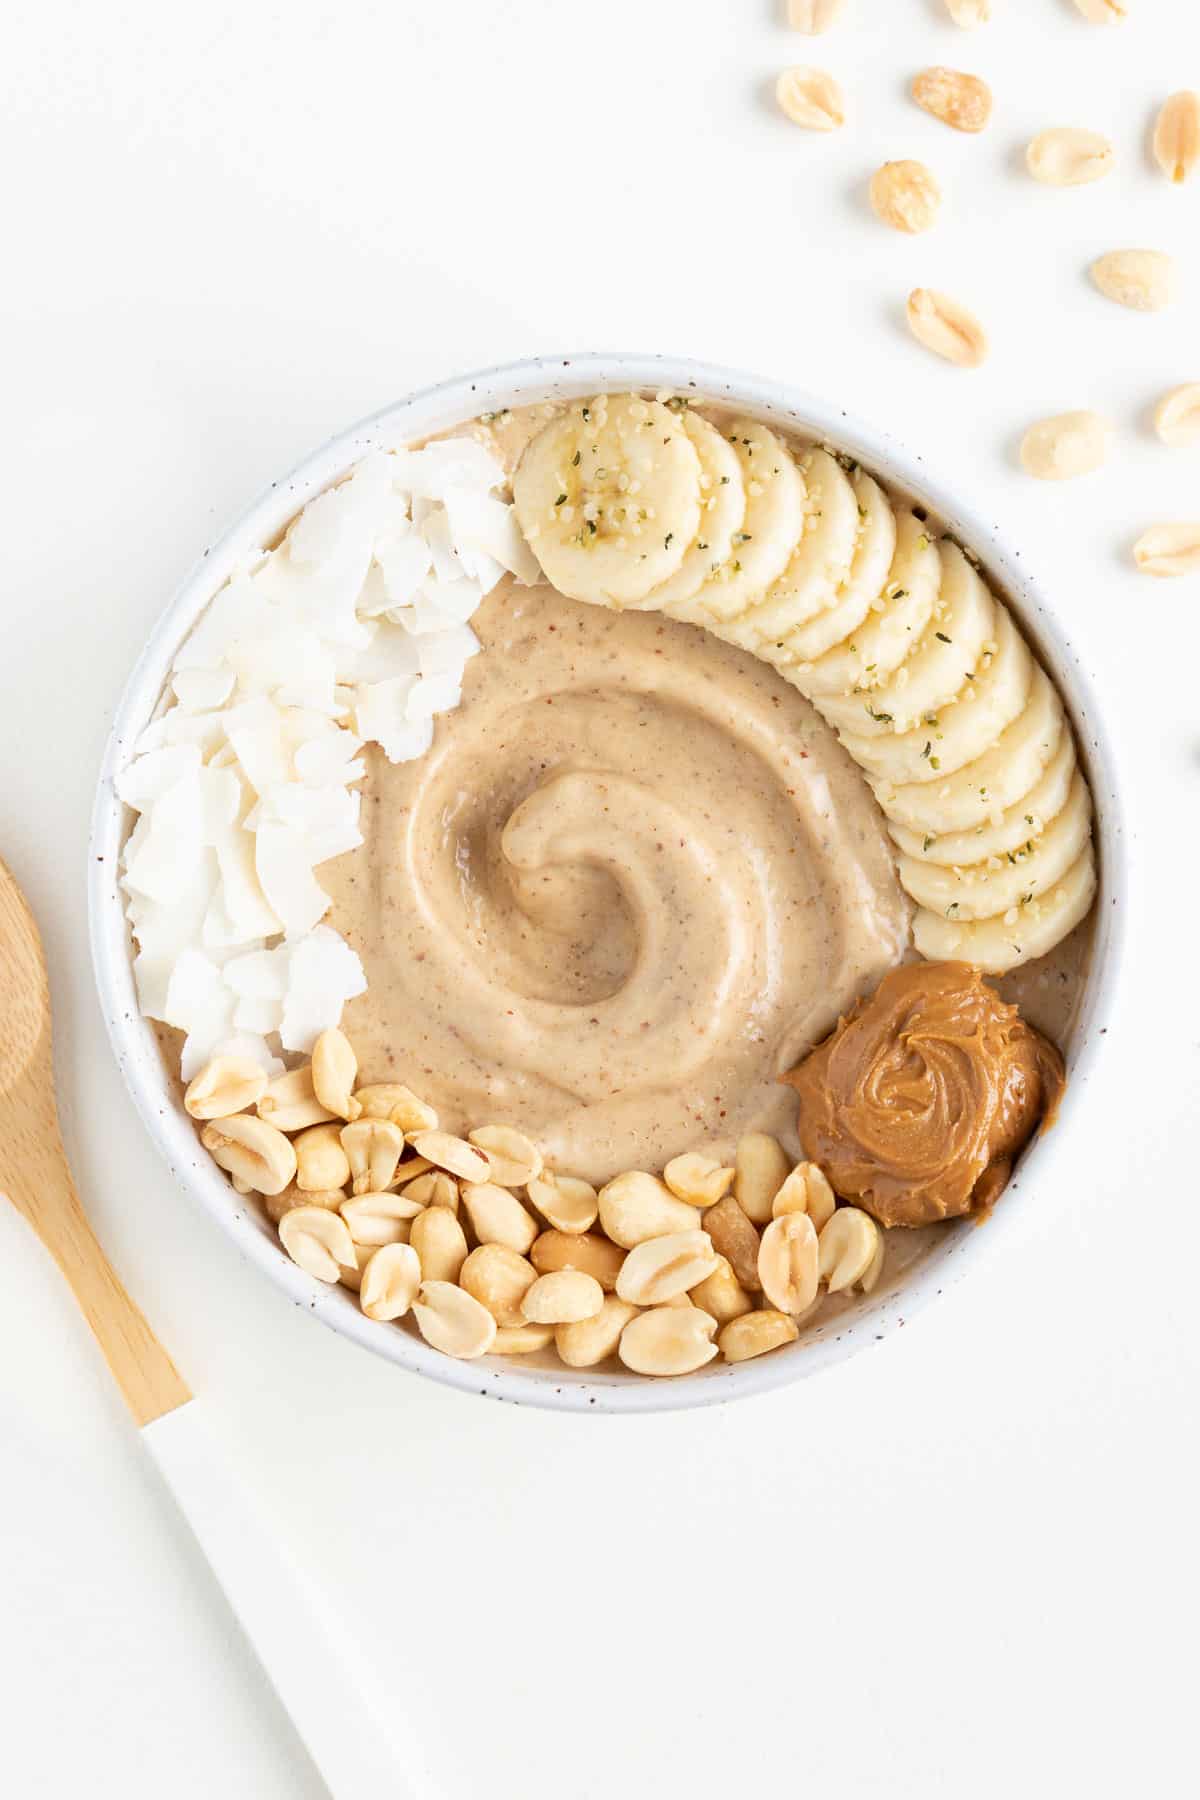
(806, 1190)
(754, 1334)
(334, 1069)
(227, 1085)
(734, 1237)
(390, 1282)
(759, 1170)
(321, 1162)
(381, 1218)
(318, 1241)
(513, 1159)
(452, 1153)
(668, 1341)
(374, 1148)
(697, 1179)
(435, 1189)
(721, 1294)
(636, 1206)
(499, 1279)
(662, 1267)
(497, 1216)
(788, 1263)
(290, 1103)
(521, 1340)
(253, 1152)
(562, 1298)
(567, 1202)
(591, 1341)
(440, 1242)
(453, 1321)
(584, 1250)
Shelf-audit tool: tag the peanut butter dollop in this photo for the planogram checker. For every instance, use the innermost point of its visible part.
(918, 1103)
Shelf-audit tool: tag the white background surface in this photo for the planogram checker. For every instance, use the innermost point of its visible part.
(962, 1565)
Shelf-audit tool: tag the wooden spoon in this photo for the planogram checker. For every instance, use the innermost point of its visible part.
(346, 1726)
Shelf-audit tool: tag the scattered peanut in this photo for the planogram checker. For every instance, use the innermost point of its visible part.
(637, 1206)
(586, 1251)
(1177, 416)
(253, 1152)
(290, 1103)
(1068, 445)
(321, 1162)
(1177, 135)
(567, 1202)
(565, 1297)
(960, 100)
(1169, 550)
(373, 1148)
(668, 1341)
(227, 1085)
(869, 1280)
(440, 1242)
(665, 1266)
(591, 1341)
(812, 98)
(813, 16)
(499, 1279)
(734, 1237)
(353, 1278)
(453, 1321)
(760, 1169)
(380, 1218)
(497, 1216)
(334, 1069)
(390, 1282)
(1066, 157)
(754, 1333)
(697, 1179)
(409, 1167)
(452, 1153)
(906, 196)
(808, 1191)
(846, 1248)
(1144, 280)
(317, 1241)
(788, 1263)
(513, 1159)
(947, 328)
(721, 1294)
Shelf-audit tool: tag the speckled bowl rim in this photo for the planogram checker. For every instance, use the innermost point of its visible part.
(436, 408)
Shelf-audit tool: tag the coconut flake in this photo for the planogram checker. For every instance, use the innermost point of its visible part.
(323, 973)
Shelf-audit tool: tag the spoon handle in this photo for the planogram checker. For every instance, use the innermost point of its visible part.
(40, 1185)
(347, 1725)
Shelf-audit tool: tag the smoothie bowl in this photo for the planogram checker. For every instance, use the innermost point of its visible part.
(601, 881)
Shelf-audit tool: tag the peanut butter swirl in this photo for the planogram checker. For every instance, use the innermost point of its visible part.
(919, 1102)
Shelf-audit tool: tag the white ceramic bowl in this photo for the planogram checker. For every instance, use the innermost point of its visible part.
(435, 409)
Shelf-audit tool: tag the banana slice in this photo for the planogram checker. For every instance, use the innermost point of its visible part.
(1015, 830)
(987, 889)
(893, 625)
(820, 564)
(608, 497)
(950, 651)
(868, 573)
(1016, 936)
(768, 534)
(987, 787)
(722, 511)
(961, 732)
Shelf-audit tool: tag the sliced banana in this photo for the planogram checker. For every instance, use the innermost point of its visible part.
(820, 564)
(868, 574)
(950, 650)
(768, 533)
(1014, 830)
(961, 732)
(722, 511)
(985, 889)
(987, 787)
(891, 628)
(1020, 934)
(608, 496)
